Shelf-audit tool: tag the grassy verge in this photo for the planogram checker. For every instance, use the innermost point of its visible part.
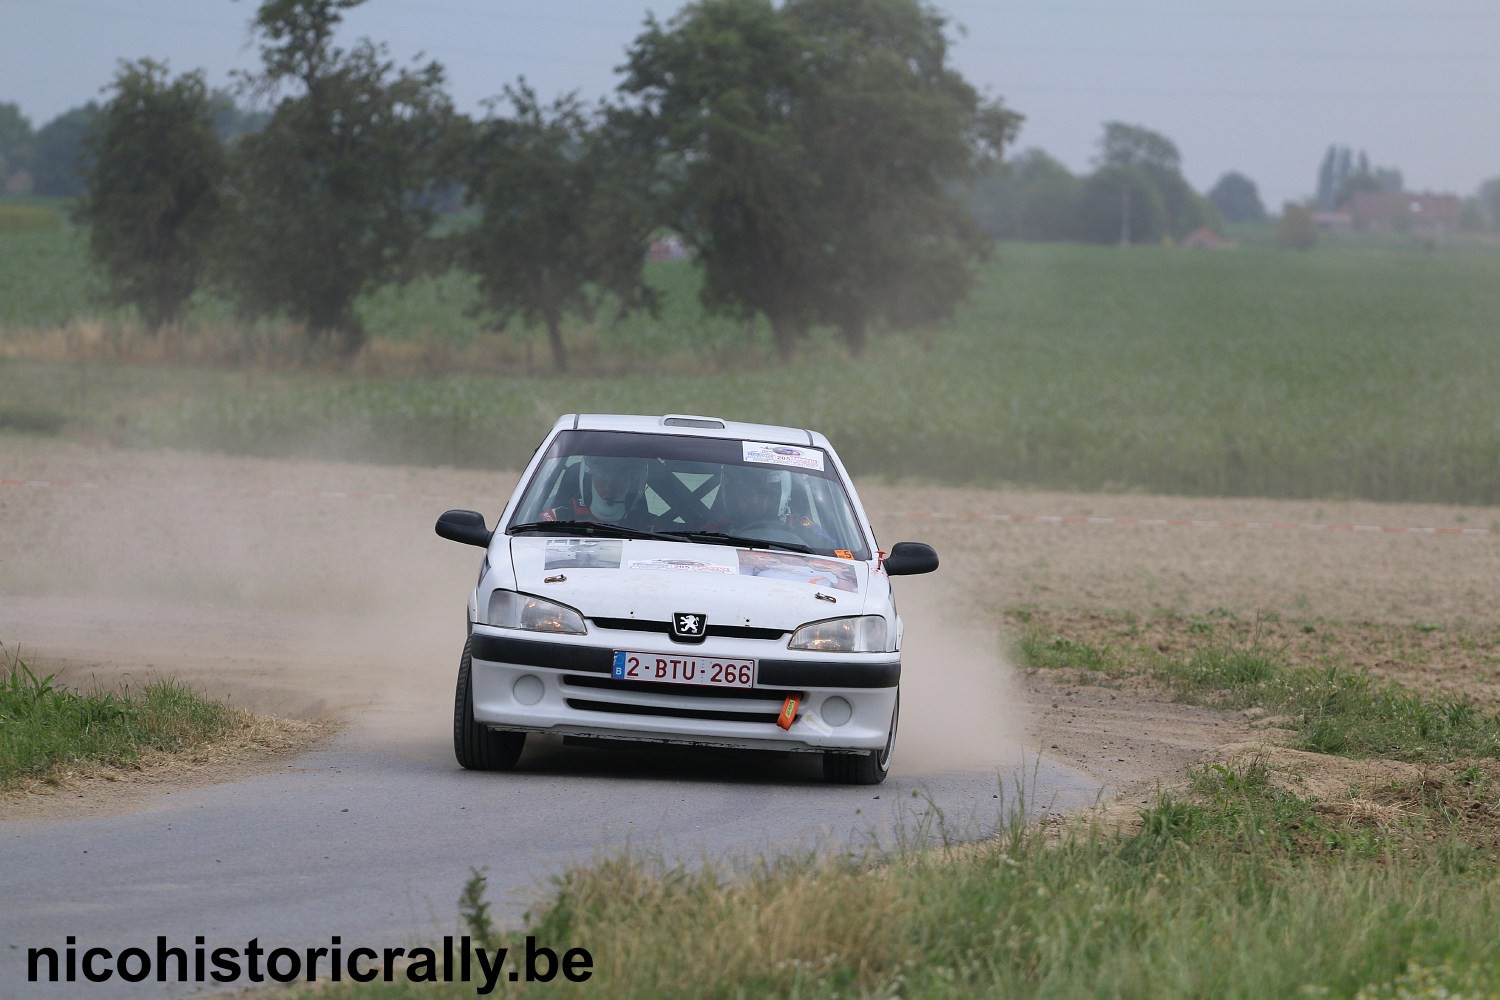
(1231, 885)
(1299, 673)
(46, 728)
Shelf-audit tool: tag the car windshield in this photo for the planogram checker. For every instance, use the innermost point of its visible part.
(699, 489)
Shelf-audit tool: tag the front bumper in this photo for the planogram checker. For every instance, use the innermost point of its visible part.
(563, 685)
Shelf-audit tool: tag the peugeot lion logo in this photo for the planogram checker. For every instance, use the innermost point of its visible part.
(689, 626)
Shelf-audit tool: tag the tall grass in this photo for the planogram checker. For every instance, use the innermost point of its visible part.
(1243, 892)
(1149, 915)
(1231, 886)
(1358, 372)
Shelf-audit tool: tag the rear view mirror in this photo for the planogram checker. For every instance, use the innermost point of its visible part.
(465, 526)
(911, 558)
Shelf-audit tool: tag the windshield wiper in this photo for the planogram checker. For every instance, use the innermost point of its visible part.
(594, 529)
(743, 541)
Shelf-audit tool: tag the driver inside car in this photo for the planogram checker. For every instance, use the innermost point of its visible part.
(748, 497)
(750, 501)
(613, 491)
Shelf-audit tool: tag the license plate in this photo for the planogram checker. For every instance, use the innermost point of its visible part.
(709, 671)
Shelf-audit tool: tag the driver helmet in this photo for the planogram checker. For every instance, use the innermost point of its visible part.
(749, 494)
(614, 485)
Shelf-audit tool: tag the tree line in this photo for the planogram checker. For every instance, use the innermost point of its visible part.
(1136, 194)
(812, 155)
(821, 159)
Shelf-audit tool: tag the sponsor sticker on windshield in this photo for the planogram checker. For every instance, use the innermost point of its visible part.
(782, 454)
(684, 566)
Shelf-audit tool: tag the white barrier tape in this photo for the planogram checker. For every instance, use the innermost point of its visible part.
(279, 493)
(1182, 522)
(1050, 519)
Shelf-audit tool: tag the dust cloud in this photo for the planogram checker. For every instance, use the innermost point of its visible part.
(961, 708)
(314, 589)
(299, 589)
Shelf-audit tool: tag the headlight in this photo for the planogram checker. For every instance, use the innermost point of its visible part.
(865, 634)
(509, 609)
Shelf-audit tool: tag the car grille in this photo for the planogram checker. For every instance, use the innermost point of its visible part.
(665, 628)
(592, 693)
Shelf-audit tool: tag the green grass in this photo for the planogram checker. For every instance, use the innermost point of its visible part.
(1056, 652)
(45, 277)
(31, 419)
(1356, 370)
(46, 727)
(1360, 371)
(1244, 891)
(1331, 709)
(22, 218)
(1231, 886)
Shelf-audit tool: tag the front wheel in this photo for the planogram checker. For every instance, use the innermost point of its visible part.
(479, 748)
(863, 768)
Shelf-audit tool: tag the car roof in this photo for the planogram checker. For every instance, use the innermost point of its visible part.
(690, 425)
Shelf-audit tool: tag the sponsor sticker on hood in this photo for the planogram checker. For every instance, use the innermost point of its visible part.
(583, 553)
(801, 569)
(683, 566)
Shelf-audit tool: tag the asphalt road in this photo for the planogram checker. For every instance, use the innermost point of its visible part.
(373, 843)
(302, 603)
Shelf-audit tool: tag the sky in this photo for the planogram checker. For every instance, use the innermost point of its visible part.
(1262, 87)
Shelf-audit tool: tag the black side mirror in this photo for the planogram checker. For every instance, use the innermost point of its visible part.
(465, 526)
(910, 558)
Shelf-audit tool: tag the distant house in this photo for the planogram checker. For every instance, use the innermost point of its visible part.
(666, 248)
(18, 182)
(1333, 221)
(1204, 238)
(1401, 211)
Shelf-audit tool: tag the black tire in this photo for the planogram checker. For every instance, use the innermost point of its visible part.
(477, 747)
(863, 768)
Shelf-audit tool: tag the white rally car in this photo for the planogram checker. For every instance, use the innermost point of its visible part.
(686, 580)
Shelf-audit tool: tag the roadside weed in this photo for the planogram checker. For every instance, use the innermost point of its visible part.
(45, 726)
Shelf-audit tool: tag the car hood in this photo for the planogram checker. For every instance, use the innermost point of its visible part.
(653, 580)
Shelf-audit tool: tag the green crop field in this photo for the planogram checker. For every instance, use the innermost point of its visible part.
(1361, 370)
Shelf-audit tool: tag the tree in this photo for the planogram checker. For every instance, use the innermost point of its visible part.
(151, 191)
(893, 129)
(1327, 181)
(1124, 145)
(814, 152)
(17, 141)
(1122, 204)
(1342, 174)
(1150, 199)
(1296, 229)
(1381, 179)
(59, 160)
(325, 201)
(1029, 197)
(1488, 197)
(716, 91)
(1236, 198)
(563, 224)
(231, 121)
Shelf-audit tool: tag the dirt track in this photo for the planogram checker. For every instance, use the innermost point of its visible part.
(318, 590)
